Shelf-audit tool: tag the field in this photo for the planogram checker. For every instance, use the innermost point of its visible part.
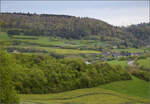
(117, 62)
(132, 50)
(135, 87)
(58, 50)
(114, 93)
(144, 63)
(4, 36)
(51, 44)
(59, 45)
(51, 41)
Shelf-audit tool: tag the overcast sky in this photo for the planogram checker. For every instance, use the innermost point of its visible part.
(118, 13)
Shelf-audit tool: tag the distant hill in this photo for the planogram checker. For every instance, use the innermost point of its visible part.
(69, 27)
(141, 32)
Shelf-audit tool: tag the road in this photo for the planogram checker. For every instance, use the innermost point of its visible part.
(131, 63)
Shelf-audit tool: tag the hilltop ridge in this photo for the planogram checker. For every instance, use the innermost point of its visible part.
(71, 27)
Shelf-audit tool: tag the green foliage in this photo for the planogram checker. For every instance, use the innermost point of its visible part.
(131, 50)
(68, 27)
(57, 55)
(110, 58)
(123, 64)
(38, 49)
(145, 75)
(12, 32)
(7, 94)
(4, 44)
(123, 58)
(141, 32)
(134, 87)
(2, 24)
(144, 63)
(4, 36)
(44, 74)
(71, 27)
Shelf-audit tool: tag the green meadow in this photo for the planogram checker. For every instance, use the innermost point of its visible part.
(58, 45)
(133, 50)
(118, 62)
(134, 87)
(58, 50)
(51, 41)
(133, 91)
(145, 63)
(4, 36)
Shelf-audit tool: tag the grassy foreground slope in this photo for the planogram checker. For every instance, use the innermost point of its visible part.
(98, 95)
(82, 96)
(134, 87)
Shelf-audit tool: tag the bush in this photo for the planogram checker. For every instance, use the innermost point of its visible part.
(144, 75)
(7, 94)
(122, 58)
(11, 32)
(45, 74)
(56, 55)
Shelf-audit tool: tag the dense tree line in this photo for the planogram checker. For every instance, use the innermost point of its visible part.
(142, 74)
(141, 32)
(45, 74)
(8, 94)
(26, 50)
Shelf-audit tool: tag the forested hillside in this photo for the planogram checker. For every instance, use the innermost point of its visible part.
(140, 32)
(65, 26)
(75, 28)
